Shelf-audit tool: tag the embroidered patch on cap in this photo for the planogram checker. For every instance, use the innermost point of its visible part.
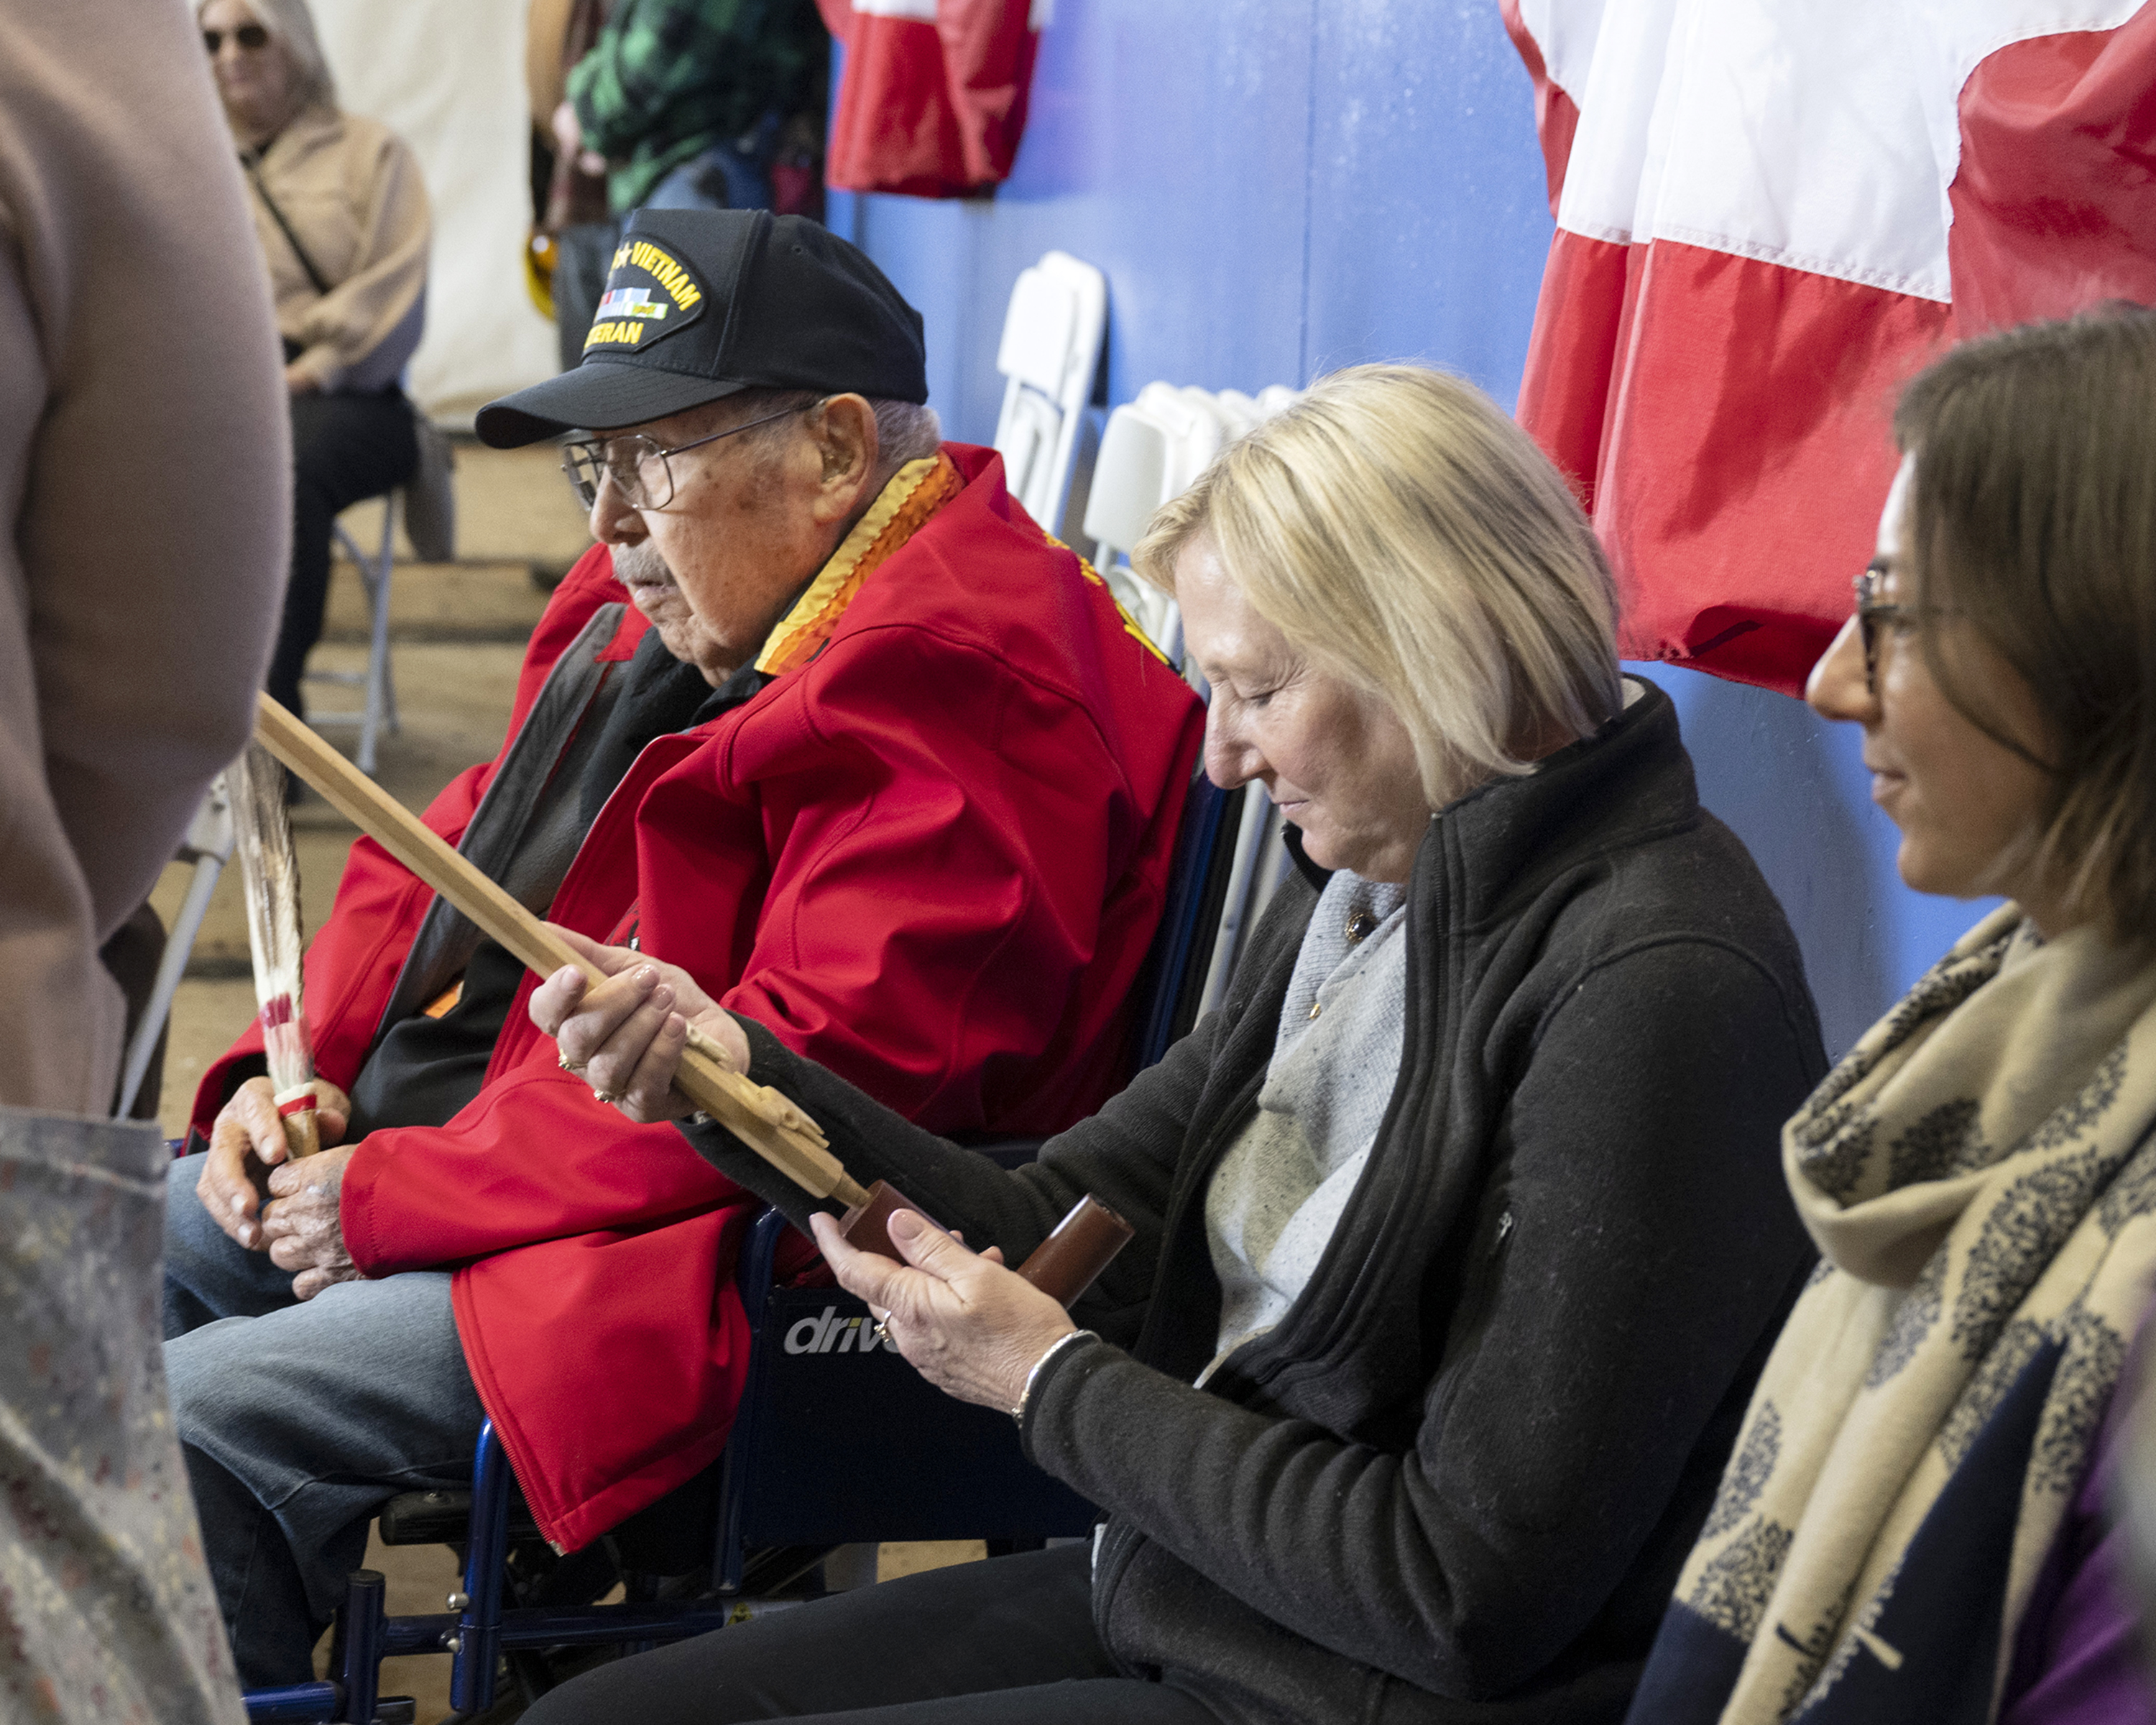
(649, 293)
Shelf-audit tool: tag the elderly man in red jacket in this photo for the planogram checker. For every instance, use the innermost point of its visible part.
(889, 772)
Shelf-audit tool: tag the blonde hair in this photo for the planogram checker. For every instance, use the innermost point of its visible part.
(291, 27)
(1404, 533)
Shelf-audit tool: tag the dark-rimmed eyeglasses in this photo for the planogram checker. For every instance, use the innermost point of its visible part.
(250, 39)
(1873, 611)
(637, 465)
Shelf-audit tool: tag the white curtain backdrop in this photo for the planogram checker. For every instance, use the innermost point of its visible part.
(449, 76)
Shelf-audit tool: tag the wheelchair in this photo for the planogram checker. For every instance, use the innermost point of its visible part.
(838, 1441)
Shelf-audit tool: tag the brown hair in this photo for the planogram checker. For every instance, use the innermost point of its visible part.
(2032, 515)
(1398, 527)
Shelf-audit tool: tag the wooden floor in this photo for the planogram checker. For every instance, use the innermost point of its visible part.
(458, 635)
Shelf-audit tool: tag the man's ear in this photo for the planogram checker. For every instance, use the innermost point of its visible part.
(843, 431)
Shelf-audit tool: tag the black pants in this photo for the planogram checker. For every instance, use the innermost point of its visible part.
(345, 447)
(132, 957)
(1010, 1641)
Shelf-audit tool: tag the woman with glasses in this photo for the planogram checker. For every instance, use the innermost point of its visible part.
(341, 217)
(1460, 1228)
(1912, 1527)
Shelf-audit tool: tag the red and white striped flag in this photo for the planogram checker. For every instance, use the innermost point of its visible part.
(932, 99)
(1770, 214)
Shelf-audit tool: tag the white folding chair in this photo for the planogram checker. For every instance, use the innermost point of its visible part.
(378, 716)
(1199, 431)
(208, 846)
(1049, 352)
(1261, 861)
(1153, 449)
(1241, 411)
(1129, 482)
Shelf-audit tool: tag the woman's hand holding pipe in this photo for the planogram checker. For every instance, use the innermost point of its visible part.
(624, 1036)
(970, 1326)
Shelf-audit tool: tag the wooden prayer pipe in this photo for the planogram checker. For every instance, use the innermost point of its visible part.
(768, 1122)
(1062, 1266)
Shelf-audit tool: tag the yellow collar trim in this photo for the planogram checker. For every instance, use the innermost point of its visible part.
(915, 492)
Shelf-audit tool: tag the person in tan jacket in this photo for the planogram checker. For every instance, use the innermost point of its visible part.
(141, 432)
(340, 215)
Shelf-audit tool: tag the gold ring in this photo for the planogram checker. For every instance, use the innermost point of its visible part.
(607, 1096)
(566, 1065)
(883, 1328)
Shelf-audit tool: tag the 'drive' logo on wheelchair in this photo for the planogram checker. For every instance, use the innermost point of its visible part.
(828, 1333)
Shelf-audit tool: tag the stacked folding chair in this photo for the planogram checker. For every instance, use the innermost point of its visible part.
(1049, 353)
(1152, 451)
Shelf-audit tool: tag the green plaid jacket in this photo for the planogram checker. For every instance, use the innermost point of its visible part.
(668, 79)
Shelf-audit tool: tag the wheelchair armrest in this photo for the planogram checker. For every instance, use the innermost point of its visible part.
(426, 1518)
(759, 1253)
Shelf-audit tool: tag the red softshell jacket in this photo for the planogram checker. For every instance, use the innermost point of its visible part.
(931, 859)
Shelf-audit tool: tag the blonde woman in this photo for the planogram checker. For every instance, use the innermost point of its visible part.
(1911, 1528)
(340, 215)
(1459, 1232)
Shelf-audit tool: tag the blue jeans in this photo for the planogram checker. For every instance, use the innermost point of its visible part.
(298, 1421)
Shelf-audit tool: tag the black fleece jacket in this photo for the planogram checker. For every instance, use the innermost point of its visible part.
(1457, 1482)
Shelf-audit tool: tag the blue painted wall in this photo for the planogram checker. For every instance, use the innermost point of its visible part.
(1278, 188)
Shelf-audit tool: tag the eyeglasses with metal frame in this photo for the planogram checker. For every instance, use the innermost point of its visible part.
(250, 39)
(637, 465)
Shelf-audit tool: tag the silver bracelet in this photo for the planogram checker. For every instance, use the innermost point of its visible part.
(1032, 1377)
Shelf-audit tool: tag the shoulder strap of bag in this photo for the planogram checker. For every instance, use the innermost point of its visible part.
(252, 162)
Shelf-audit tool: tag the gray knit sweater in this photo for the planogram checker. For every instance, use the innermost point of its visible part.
(1278, 1193)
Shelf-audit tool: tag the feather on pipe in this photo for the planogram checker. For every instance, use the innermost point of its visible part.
(270, 871)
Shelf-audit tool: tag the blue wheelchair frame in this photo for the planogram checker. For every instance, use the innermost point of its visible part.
(838, 1442)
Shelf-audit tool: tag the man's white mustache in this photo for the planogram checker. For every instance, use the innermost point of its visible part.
(641, 566)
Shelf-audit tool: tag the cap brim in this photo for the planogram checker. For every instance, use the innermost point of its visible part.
(599, 395)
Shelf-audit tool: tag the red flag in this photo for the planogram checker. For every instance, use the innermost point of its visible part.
(1769, 216)
(932, 99)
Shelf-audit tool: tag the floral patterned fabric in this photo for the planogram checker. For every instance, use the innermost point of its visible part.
(1980, 1175)
(106, 1614)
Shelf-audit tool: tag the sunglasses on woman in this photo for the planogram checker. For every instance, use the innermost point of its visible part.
(248, 38)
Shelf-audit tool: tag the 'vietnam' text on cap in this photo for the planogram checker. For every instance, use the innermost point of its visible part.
(700, 304)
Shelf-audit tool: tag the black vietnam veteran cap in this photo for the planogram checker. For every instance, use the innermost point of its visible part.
(700, 304)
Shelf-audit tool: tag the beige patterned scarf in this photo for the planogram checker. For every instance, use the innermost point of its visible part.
(1978, 1173)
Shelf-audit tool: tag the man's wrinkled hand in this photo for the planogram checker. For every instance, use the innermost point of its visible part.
(302, 1225)
(624, 1036)
(245, 1143)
